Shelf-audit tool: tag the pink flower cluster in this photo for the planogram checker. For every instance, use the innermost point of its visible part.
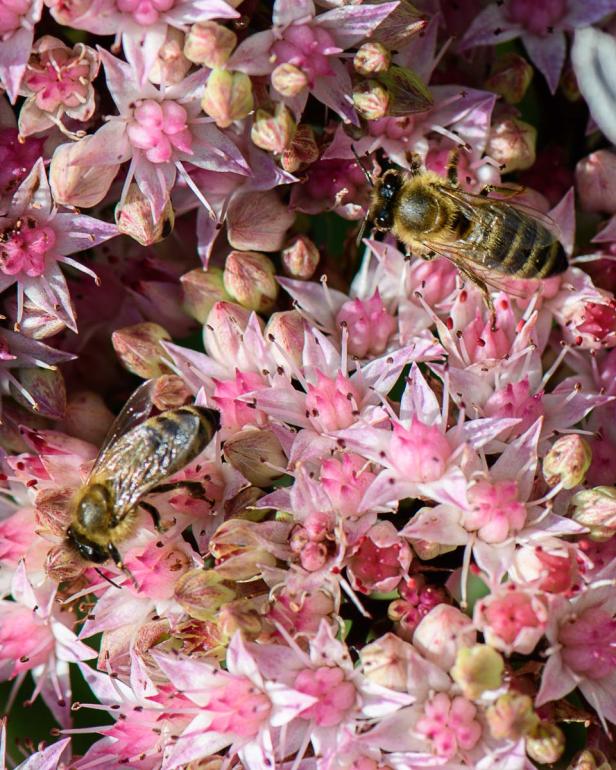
(398, 551)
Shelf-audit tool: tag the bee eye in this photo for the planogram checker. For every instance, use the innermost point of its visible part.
(382, 221)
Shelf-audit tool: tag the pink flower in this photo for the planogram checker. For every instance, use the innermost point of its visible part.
(57, 82)
(512, 619)
(380, 559)
(442, 632)
(332, 404)
(495, 511)
(420, 452)
(345, 481)
(35, 237)
(582, 634)
(158, 131)
(369, 325)
(236, 412)
(449, 724)
(17, 21)
(335, 696)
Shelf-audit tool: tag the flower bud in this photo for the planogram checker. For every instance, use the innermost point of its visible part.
(511, 716)
(596, 509)
(202, 593)
(289, 80)
(87, 417)
(589, 759)
(63, 563)
(371, 99)
(300, 258)
(371, 58)
(546, 743)
(252, 452)
(302, 151)
(285, 332)
(477, 668)
(134, 218)
(227, 97)
(171, 65)
(442, 632)
(202, 288)
(273, 132)
(595, 181)
(510, 77)
(170, 392)
(567, 461)
(238, 551)
(241, 615)
(224, 329)
(138, 348)
(75, 185)
(209, 43)
(512, 144)
(46, 387)
(54, 509)
(249, 277)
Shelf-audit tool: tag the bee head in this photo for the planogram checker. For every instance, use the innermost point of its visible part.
(87, 549)
(384, 200)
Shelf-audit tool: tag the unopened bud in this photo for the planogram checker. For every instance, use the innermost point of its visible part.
(63, 563)
(87, 417)
(257, 455)
(202, 592)
(209, 43)
(250, 278)
(371, 99)
(442, 632)
(289, 80)
(78, 185)
(512, 144)
(510, 77)
(227, 97)
(224, 330)
(511, 716)
(273, 132)
(371, 58)
(138, 348)
(238, 550)
(202, 288)
(302, 151)
(589, 759)
(595, 182)
(478, 668)
(134, 218)
(171, 65)
(596, 509)
(546, 743)
(567, 461)
(300, 258)
(285, 332)
(170, 392)
(54, 508)
(45, 386)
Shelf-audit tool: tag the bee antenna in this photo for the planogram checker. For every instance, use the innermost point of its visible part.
(362, 167)
(108, 579)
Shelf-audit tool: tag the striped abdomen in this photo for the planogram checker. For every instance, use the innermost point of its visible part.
(513, 243)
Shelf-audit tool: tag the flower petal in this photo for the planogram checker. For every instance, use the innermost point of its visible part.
(548, 55)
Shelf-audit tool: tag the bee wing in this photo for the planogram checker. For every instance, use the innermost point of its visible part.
(134, 411)
(149, 453)
(470, 201)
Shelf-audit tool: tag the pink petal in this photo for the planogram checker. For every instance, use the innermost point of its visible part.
(489, 28)
(548, 55)
(47, 759)
(109, 146)
(334, 91)
(14, 54)
(252, 55)
(258, 221)
(155, 181)
(77, 232)
(350, 24)
(287, 12)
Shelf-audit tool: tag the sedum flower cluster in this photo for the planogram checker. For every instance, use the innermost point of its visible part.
(399, 549)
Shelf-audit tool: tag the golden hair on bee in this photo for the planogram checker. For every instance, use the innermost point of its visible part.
(484, 237)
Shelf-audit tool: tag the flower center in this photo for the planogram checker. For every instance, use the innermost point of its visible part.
(11, 14)
(145, 12)
(160, 128)
(239, 707)
(24, 246)
(336, 695)
(307, 48)
(332, 404)
(450, 725)
(537, 18)
(57, 78)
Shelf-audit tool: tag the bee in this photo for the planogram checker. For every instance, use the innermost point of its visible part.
(137, 455)
(486, 238)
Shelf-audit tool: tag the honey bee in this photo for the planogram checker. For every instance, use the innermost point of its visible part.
(137, 455)
(486, 238)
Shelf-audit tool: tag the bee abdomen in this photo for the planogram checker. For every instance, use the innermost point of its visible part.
(531, 253)
(179, 435)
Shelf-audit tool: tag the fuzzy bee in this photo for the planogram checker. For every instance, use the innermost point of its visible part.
(486, 238)
(136, 457)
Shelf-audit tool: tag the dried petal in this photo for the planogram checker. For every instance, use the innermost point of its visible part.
(249, 278)
(257, 455)
(138, 348)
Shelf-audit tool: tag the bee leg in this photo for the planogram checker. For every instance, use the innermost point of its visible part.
(452, 167)
(193, 488)
(154, 514)
(114, 554)
(506, 192)
(415, 163)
